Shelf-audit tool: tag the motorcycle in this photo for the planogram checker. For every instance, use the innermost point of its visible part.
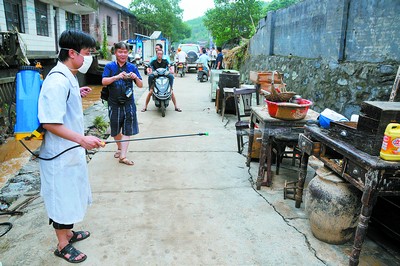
(162, 89)
(181, 69)
(137, 59)
(202, 73)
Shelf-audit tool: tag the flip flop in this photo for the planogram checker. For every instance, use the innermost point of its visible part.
(178, 109)
(126, 161)
(70, 250)
(75, 237)
(117, 153)
(144, 110)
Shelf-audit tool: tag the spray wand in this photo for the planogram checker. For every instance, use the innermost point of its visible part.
(115, 141)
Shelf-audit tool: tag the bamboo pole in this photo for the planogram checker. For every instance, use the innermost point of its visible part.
(396, 86)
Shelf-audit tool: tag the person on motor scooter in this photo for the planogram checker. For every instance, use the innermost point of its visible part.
(203, 59)
(181, 57)
(160, 63)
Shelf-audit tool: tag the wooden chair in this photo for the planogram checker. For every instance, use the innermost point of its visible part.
(243, 102)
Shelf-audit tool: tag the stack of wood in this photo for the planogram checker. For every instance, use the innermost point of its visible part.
(267, 79)
(271, 85)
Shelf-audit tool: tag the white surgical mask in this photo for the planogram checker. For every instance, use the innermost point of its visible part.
(87, 62)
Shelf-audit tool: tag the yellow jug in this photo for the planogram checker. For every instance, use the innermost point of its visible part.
(390, 149)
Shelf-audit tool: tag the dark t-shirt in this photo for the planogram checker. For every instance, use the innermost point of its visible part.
(220, 57)
(118, 87)
(155, 64)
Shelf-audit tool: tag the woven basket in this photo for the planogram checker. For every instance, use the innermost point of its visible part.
(282, 95)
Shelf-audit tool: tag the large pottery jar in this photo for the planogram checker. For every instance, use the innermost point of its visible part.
(333, 206)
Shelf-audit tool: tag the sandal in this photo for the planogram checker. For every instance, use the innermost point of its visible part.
(117, 153)
(72, 252)
(126, 161)
(144, 109)
(178, 109)
(75, 237)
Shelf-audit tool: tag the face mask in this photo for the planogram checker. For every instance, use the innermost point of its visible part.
(87, 62)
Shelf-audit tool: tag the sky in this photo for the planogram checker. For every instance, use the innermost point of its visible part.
(191, 9)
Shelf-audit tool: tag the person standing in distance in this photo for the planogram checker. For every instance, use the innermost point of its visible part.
(119, 76)
(220, 58)
(65, 185)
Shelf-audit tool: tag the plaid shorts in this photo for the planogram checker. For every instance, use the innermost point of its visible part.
(123, 120)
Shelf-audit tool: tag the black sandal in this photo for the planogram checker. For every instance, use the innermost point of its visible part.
(83, 234)
(70, 250)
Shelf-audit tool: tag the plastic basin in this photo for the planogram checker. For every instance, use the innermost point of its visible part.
(288, 111)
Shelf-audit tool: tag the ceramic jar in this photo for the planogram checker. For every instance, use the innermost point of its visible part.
(333, 206)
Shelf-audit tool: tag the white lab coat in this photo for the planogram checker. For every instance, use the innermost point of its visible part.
(65, 185)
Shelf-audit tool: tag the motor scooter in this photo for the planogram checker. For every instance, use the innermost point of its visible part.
(162, 89)
(137, 60)
(202, 73)
(181, 69)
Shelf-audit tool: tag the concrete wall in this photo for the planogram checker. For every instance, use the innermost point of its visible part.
(337, 53)
(352, 30)
(373, 31)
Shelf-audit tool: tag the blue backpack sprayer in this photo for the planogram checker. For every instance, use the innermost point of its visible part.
(27, 127)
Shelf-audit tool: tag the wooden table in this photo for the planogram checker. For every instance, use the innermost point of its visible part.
(370, 174)
(269, 128)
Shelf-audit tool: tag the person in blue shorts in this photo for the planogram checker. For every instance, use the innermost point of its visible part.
(119, 76)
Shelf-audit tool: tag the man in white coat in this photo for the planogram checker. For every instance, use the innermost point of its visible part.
(65, 186)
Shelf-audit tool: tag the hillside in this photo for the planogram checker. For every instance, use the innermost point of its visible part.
(199, 32)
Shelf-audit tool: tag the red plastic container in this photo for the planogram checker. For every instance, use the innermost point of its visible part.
(289, 111)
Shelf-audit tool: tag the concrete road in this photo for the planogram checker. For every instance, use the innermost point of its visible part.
(186, 201)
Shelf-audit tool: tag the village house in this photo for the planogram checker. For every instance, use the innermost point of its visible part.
(40, 23)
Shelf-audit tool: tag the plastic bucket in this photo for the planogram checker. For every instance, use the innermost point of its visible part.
(329, 115)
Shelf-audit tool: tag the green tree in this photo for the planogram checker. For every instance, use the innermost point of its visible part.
(104, 48)
(279, 4)
(161, 15)
(233, 19)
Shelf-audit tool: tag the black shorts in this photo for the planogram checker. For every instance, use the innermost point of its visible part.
(60, 226)
(123, 119)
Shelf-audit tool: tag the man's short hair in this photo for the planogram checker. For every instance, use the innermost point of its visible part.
(121, 45)
(204, 50)
(160, 45)
(76, 40)
(219, 48)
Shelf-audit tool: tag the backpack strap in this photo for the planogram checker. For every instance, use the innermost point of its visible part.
(59, 72)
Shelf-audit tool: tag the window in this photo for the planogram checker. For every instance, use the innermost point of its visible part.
(109, 26)
(123, 31)
(73, 21)
(14, 15)
(42, 27)
(85, 23)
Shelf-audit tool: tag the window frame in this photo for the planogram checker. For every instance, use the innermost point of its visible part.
(72, 21)
(109, 26)
(14, 15)
(42, 26)
(85, 23)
